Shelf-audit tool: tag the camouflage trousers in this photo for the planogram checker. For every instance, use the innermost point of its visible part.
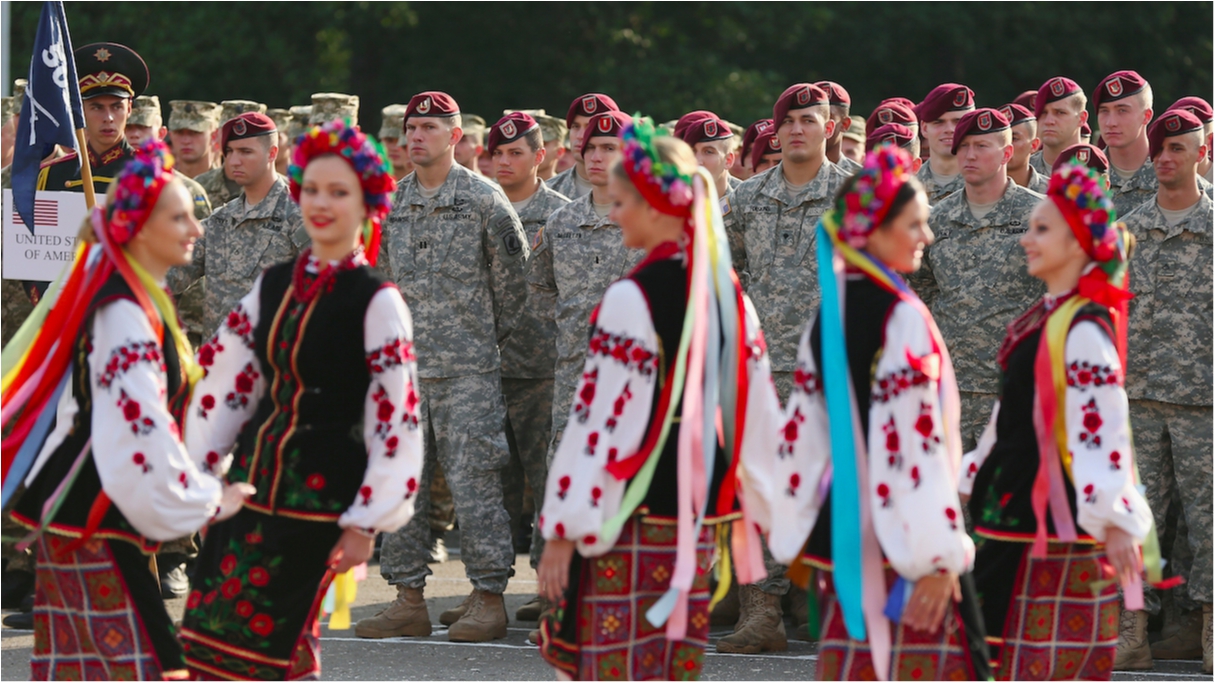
(976, 412)
(463, 421)
(16, 308)
(442, 510)
(529, 420)
(1173, 449)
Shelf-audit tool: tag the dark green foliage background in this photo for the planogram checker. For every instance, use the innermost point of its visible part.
(660, 58)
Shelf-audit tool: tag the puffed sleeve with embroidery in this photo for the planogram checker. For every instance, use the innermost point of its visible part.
(1099, 436)
(143, 466)
(782, 481)
(607, 422)
(385, 501)
(913, 485)
(232, 384)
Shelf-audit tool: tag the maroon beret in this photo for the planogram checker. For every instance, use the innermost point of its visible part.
(892, 111)
(608, 124)
(248, 125)
(1054, 90)
(1084, 153)
(1027, 99)
(753, 131)
(589, 104)
(896, 133)
(1196, 106)
(1118, 85)
(706, 129)
(432, 103)
(1173, 123)
(944, 98)
(765, 143)
(509, 128)
(836, 95)
(978, 122)
(1017, 114)
(797, 96)
(1085, 129)
(681, 126)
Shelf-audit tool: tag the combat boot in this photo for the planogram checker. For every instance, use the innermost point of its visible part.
(761, 626)
(1206, 638)
(451, 616)
(485, 619)
(532, 610)
(406, 616)
(799, 609)
(726, 613)
(1133, 652)
(1184, 641)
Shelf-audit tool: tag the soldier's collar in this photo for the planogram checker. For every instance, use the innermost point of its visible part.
(109, 156)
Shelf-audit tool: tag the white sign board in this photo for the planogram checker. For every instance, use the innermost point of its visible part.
(41, 255)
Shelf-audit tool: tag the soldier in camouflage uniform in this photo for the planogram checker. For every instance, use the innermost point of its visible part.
(281, 119)
(841, 104)
(1168, 382)
(192, 124)
(555, 132)
(939, 114)
(472, 144)
(333, 106)
(1024, 141)
(220, 188)
(1060, 108)
(456, 248)
(392, 127)
(299, 120)
(573, 182)
(713, 143)
(973, 278)
(530, 354)
(852, 141)
(17, 305)
(145, 121)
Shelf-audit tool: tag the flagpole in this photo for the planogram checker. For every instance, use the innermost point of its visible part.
(86, 171)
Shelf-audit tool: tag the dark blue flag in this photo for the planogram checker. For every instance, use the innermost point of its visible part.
(51, 112)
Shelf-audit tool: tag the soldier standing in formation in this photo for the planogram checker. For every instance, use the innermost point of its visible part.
(1025, 143)
(1061, 109)
(554, 131)
(938, 115)
(192, 125)
(713, 142)
(573, 182)
(392, 127)
(220, 187)
(841, 103)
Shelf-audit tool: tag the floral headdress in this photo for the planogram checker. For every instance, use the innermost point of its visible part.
(661, 184)
(1077, 191)
(864, 208)
(369, 161)
(139, 185)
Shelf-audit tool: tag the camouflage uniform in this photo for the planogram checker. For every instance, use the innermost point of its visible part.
(1037, 161)
(564, 183)
(299, 121)
(528, 359)
(333, 106)
(848, 166)
(1128, 194)
(974, 281)
(1038, 182)
(937, 192)
(1168, 382)
(459, 259)
(219, 187)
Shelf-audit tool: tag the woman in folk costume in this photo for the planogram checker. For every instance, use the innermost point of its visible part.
(92, 409)
(676, 384)
(867, 467)
(311, 385)
(1060, 440)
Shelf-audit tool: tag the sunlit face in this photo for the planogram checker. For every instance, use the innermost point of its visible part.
(714, 156)
(939, 133)
(601, 152)
(1023, 142)
(980, 157)
(137, 135)
(1123, 121)
(105, 120)
(1176, 163)
(515, 164)
(900, 241)
(577, 131)
(430, 138)
(190, 146)
(803, 134)
(1059, 125)
(553, 151)
(167, 238)
(467, 150)
(852, 149)
(630, 211)
(1050, 247)
(248, 161)
(331, 203)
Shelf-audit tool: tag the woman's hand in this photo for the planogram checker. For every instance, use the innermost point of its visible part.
(925, 611)
(553, 574)
(233, 499)
(352, 549)
(1123, 552)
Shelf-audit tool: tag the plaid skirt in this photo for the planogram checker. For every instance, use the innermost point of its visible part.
(1060, 623)
(954, 653)
(98, 615)
(600, 632)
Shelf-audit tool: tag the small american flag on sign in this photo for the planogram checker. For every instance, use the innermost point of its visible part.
(46, 213)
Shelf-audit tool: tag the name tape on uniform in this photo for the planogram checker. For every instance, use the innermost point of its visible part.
(41, 255)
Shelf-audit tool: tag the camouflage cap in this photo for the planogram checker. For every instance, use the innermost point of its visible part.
(234, 108)
(299, 120)
(856, 131)
(280, 117)
(534, 113)
(195, 115)
(552, 128)
(473, 125)
(19, 94)
(392, 121)
(145, 111)
(334, 106)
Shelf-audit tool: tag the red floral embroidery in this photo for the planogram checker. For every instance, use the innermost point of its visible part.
(883, 492)
(1082, 375)
(394, 353)
(1090, 494)
(1115, 459)
(211, 462)
(384, 410)
(183, 480)
(239, 398)
(230, 588)
(126, 357)
(971, 470)
(365, 494)
(258, 576)
(141, 462)
(205, 405)
(1126, 506)
(590, 539)
(253, 538)
(790, 433)
(227, 565)
(586, 395)
(262, 625)
(315, 482)
(596, 494)
(592, 440)
(627, 351)
(131, 411)
(238, 324)
(893, 385)
(925, 425)
(952, 515)
(806, 382)
(612, 455)
(915, 477)
(410, 415)
(618, 407)
(1092, 424)
(411, 487)
(559, 529)
(244, 609)
(206, 354)
(894, 457)
(564, 484)
(390, 447)
(795, 480)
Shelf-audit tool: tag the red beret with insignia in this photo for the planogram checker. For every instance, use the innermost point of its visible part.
(251, 124)
(1173, 123)
(1027, 99)
(1117, 86)
(978, 122)
(797, 96)
(608, 124)
(1017, 114)
(1084, 153)
(891, 133)
(766, 143)
(509, 128)
(753, 131)
(1054, 90)
(836, 95)
(892, 110)
(1085, 129)
(681, 126)
(589, 104)
(944, 98)
(432, 103)
(706, 129)
(1196, 106)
